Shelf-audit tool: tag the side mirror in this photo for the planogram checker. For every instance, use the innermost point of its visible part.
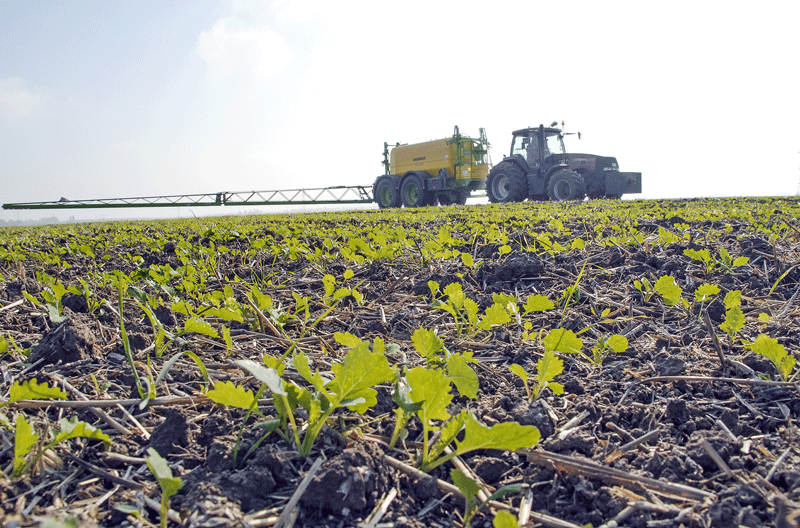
(579, 135)
(554, 124)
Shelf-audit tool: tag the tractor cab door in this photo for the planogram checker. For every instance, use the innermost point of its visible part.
(527, 147)
(552, 142)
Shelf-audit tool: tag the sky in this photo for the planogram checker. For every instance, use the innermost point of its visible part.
(115, 98)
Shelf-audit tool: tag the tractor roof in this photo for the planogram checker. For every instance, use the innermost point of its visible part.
(534, 130)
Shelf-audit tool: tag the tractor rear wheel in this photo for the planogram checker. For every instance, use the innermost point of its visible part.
(387, 195)
(566, 185)
(413, 192)
(506, 183)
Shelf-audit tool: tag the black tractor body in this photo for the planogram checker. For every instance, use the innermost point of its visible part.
(539, 168)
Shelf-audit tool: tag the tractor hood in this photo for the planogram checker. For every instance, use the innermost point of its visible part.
(587, 162)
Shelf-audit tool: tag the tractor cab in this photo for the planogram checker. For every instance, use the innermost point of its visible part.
(534, 145)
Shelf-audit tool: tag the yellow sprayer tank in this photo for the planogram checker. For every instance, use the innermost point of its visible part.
(441, 170)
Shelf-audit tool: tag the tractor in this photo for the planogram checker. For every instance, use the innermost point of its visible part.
(539, 168)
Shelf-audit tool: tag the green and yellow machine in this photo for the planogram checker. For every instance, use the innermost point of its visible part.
(443, 171)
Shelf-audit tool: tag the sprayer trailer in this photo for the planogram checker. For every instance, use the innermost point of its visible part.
(443, 171)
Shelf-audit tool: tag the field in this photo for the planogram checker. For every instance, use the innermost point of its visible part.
(607, 363)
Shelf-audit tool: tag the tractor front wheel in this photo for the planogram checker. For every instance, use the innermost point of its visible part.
(413, 192)
(566, 185)
(506, 183)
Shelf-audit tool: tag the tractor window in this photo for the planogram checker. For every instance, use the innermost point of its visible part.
(521, 145)
(554, 145)
(528, 148)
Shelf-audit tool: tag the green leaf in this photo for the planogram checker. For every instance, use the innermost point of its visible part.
(348, 274)
(427, 343)
(303, 366)
(225, 313)
(667, 237)
(508, 301)
(32, 390)
(734, 321)
(467, 260)
(24, 440)
(127, 509)
(360, 370)
(702, 255)
(519, 371)
(232, 395)
(262, 301)
(538, 303)
(346, 339)
(504, 519)
(578, 243)
(462, 376)
(725, 257)
(32, 299)
(446, 307)
(266, 375)
(733, 298)
(341, 293)
(329, 282)
(776, 353)
(402, 399)
(433, 286)
(471, 309)
(73, 428)
(226, 336)
(68, 522)
(740, 261)
(432, 389)
(705, 292)
(502, 491)
(455, 295)
(447, 433)
(496, 314)
(548, 367)
(508, 436)
(564, 341)
(617, 343)
(198, 326)
(668, 289)
(55, 317)
(768, 347)
(361, 401)
(158, 466)
(468, 487)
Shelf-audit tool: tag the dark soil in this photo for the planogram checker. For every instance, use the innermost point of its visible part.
(720, 428)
